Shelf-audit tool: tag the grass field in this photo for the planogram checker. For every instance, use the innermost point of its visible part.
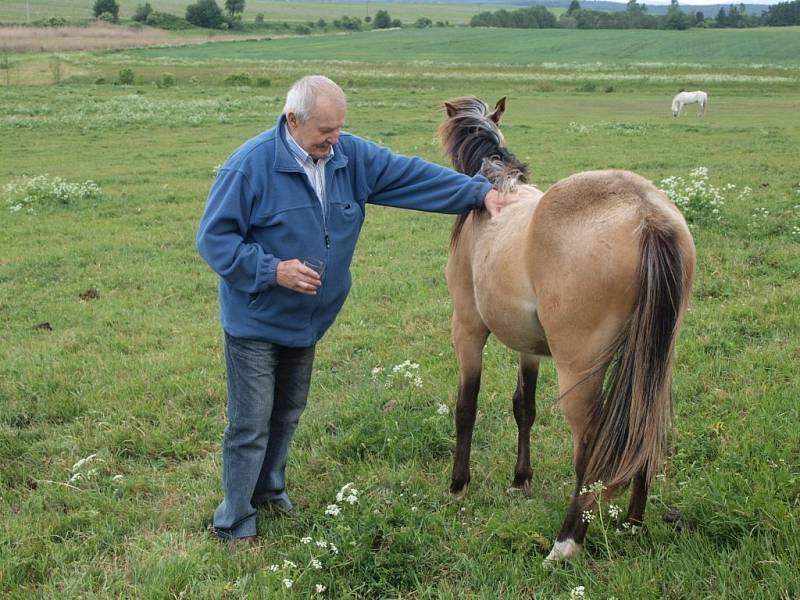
(113, 412)
(774, 46)
(273, 10)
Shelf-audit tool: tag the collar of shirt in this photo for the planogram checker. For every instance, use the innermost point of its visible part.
(300, 155)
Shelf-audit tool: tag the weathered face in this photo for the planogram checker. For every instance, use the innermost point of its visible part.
(321, 130)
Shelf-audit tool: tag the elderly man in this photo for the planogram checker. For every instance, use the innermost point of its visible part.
(280, 227)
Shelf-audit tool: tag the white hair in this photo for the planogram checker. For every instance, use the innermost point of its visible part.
(302, 95)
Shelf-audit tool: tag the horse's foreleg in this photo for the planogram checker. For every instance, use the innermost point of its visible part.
(525, 414)
(469, 342)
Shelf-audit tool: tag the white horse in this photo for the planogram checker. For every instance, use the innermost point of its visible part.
(680, 101)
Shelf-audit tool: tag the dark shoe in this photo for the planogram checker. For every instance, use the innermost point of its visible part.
(281, 503)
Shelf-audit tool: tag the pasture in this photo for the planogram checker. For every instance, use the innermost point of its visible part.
(273, 10)
(111, 368)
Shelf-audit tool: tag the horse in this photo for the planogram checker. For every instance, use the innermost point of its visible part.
(594, 273)
(683, 98)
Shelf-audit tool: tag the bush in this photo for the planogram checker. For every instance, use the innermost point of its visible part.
(423, 22)
(167, 80)
(126, 76)
(167, 21)
(142, 12)
(302, 30)
(107, 17)
(382, 20)
(205, 13)
(106, 6)
(51, 22)
(238, 79)
(260, 19)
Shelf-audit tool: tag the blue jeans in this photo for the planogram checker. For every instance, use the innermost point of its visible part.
(267, 392)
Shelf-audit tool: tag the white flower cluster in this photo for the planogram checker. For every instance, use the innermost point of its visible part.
(697, 199)
(78, 471)
(577, 592)
(407, 370)
(620, 128)
(314, 563)
(31, 192)
(347, 494)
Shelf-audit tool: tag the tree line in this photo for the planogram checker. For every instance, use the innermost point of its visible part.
(635, 16)
(208, 14)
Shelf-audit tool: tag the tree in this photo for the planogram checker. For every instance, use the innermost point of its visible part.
(205, 13)
(234, 7)
(142, 12)
(573, 6)
(382, 20)
(106, 6)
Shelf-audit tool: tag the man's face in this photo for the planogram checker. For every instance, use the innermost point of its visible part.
(321, 130)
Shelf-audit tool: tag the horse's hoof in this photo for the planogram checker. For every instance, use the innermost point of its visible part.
(458, 495)
(566, 550)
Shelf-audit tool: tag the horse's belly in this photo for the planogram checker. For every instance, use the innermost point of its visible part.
(516, 324)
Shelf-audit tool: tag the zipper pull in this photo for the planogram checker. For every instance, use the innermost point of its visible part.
(327, 241)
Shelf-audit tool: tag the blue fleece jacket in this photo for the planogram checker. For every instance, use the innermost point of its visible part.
(262, 210)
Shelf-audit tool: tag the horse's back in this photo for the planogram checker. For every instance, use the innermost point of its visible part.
(585, 237)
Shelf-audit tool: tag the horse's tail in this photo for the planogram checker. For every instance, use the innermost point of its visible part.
(705, 104)
(629, 422)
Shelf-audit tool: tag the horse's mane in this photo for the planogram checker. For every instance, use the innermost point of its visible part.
(473, 143)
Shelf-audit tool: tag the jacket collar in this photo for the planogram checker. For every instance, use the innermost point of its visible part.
(284, 159)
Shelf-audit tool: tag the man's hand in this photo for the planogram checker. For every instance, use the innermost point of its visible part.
(495, 201)
(296, 276)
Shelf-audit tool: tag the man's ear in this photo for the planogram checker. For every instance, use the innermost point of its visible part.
(499, 109)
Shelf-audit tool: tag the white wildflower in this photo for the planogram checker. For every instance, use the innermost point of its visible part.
(442, 409)
(577, 592)
(287, 583)
(333, 510)
(322, 544)
(83, 461)
(587, 516)
(305, 540)
(319, 588)
(274, 568)
(288, 564)
(334, 549)
(316, 564)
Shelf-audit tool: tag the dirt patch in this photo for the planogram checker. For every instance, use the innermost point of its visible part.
(99, 36)
(90, 294)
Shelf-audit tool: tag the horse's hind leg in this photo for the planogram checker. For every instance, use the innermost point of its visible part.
(469, 340)
(639, 491)
(525, 413)
(578, 395)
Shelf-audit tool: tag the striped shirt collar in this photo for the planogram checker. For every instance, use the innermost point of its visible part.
(300, 155)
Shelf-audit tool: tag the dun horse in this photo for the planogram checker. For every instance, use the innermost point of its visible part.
(596, 274)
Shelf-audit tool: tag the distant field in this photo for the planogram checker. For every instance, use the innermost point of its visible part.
(273, 10)
(518, 47)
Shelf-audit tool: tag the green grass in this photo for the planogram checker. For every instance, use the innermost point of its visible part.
(136, 377)
(273, 10)
(774, 46)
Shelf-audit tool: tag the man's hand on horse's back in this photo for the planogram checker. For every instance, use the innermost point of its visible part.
(495, 201)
